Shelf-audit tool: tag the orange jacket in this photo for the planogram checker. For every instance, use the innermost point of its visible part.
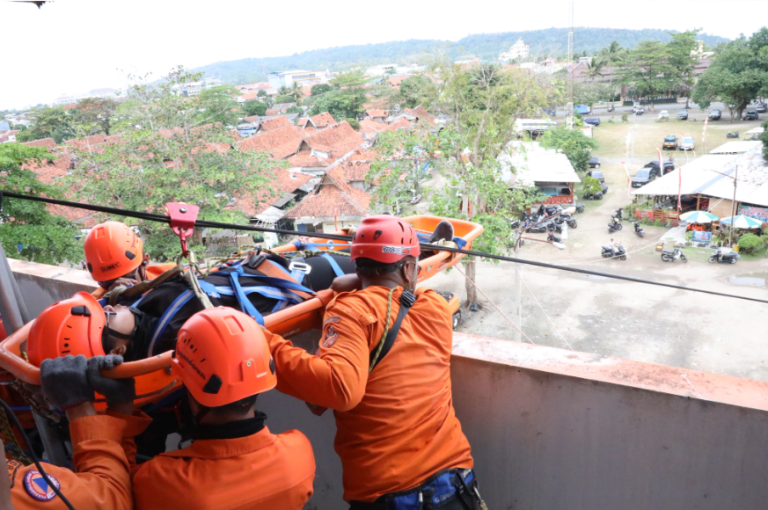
(261, 471)
(395, 426)
(102, 478)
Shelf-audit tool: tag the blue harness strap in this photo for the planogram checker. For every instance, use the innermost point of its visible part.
(334, 265)
(330, 245)
(162, 324)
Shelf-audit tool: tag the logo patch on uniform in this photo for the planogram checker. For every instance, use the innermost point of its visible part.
(38, 488)
(13, 466)
(331, 320)
(330, 336)
(400, 250)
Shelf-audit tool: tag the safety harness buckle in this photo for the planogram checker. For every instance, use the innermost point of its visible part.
(183, 218)
(300, 266)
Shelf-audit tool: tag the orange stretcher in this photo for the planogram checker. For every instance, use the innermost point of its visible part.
(430, 266)
(154, 379)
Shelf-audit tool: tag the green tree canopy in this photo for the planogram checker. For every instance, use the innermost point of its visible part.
(683, 60)
(218, 104)
(285, 99)
(27, 230)
(96, 114)
(647, 68)
(320, 88)
(49, 122)
(576, 147)
(254, 107)
(413, 90)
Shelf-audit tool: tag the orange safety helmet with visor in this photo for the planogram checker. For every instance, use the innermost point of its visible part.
(112, 251)
(385, 239)
(222, 357)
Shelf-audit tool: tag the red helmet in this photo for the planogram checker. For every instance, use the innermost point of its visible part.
(112, 250)
(222, 357)
(72, 326)
(386, 239)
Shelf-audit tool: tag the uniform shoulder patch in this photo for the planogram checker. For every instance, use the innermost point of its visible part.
(331, 320)
(330, 336)
(38, 488)
(13, 467)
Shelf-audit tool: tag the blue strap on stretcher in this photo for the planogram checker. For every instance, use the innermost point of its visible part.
(181, 300)
(334, 265)
(330, 245)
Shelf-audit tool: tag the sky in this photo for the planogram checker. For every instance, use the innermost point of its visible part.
(72, 46)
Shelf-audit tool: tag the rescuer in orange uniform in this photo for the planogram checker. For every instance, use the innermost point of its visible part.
(114, 255)
(235, 462)
(398, 438)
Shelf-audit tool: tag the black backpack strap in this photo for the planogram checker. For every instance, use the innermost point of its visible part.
(407, 299)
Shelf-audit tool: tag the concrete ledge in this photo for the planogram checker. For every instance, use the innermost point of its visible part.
(42, 285)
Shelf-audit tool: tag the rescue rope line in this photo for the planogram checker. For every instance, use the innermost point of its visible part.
(494, 304)
(336, 237)
(386, 331)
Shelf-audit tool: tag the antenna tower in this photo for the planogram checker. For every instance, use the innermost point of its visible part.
(569, 79)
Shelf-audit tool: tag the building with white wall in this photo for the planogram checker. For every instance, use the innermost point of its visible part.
(517, 50)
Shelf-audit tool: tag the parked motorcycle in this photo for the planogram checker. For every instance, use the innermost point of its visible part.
(620, 253)
(538, 229)
(593, 196)
(580, 208)
(639, 230)
(618, 214)
(724, 257)
(554, 227)
(614, 225)
(732, 134)
(551, 237)
(672, 255)
(611, 108)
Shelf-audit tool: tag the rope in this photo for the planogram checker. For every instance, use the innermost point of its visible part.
(14, 448)
(494, 304)
(386, 330)
(426, 246)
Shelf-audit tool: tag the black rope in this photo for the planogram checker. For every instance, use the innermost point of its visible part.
(336, 237)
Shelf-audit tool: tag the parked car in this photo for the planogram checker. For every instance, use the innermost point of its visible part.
(597, 175)
(750, 115)
(638, 110)
(682, 115)
(762, 108)
(594, 162)
(715, 115)
(592, 121)
(654, 168)
(664, 114)
(670, 142)
(642, 177)
(686, 144)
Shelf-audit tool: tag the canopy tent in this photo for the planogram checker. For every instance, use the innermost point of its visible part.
(700, 217)
(735, 147)
(743, 222)
(526, 163)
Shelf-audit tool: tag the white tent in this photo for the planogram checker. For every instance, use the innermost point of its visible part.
(534, 164)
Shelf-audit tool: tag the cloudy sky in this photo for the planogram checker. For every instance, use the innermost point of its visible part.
(72, 46)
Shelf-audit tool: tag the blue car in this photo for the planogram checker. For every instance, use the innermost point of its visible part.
(582, 109)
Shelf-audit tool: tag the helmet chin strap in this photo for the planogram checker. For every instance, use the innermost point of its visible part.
(415, 277)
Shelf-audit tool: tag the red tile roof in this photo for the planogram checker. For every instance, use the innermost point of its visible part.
(306, 160)
(87, 143)
(321, 120)
(332, 197)
(355, 170)
(282, 143)
(395, 81)
(43, 142)
(402, 122)
(252, 118)
(371, 126)
(275, 123)
(424, 116)
(248, 96)
(363, 155)
(281, 181)
(375, 113)
(335, 140)
(271, 112)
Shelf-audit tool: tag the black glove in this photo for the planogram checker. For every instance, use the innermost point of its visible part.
(64, 381)
(114, 390)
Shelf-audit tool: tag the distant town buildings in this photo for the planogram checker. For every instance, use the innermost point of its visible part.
(194, 88)
(519, 50)
(288, 78)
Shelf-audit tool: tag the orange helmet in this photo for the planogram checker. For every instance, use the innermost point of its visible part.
(72, 326)
(222, 357)
(386, 239)
(112, 250)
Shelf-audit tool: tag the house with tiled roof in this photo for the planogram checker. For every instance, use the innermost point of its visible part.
(355, 172)
(274, 123)
(271, 112)
(323, 148)
(333, 204)
(400, 123)
(284, 189)
(43, 142)
(369, 129)
(318, 122)
(281, 143)
(376, 115)
(422, 116)
(9, 136)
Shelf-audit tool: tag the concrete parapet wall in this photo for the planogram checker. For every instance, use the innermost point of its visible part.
(42, 285)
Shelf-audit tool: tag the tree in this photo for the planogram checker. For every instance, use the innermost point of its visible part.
(297, 92)
(737, 75)
(27, 229)
(167, 152)
(592, 92)
(347, 98)
(682, 58)
(319, 89)
(254, 107)
(413, 89)
(294, 109)
(594, 69)
(96, 112)
(287, 98)
(261, 93)
(763, 137)
(218, 104)
(648, 69)
(576, 147)
(49, 122)
(612, 55)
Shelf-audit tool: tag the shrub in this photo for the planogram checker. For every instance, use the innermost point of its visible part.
(354, 124)
(689, 235)
(657, 223)
(592, 185)
(750, 243)
(624, 118)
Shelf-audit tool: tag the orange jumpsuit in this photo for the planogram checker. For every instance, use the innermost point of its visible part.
(396, 425)
(102, 479)
(264, 470)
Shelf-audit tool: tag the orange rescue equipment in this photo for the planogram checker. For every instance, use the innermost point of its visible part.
(385, 239)
(112, 250)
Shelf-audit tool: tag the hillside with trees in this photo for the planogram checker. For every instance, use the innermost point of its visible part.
(551, 41)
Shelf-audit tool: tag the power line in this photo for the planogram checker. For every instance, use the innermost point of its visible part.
(427, 246)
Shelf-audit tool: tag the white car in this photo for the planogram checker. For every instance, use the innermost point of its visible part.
(686, 144)
(663, 114)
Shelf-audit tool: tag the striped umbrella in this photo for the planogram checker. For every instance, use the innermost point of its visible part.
(743, 222)
(698, 217)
